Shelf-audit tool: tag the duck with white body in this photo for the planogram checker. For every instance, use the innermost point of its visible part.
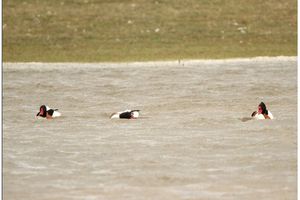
(126, 114)
(262, 112)
(48, 113)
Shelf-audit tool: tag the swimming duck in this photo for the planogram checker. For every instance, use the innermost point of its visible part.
(47, 112)
(262, 112)
(126, 114)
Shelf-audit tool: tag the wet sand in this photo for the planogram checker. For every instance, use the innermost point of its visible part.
(193, 140)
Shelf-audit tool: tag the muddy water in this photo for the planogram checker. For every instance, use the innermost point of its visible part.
(193, 140)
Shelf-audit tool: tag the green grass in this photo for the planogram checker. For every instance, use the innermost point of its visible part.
(143, 30)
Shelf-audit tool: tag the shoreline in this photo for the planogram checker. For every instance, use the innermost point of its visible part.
(184, 62)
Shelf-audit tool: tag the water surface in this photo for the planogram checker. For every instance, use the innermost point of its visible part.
(193, 140)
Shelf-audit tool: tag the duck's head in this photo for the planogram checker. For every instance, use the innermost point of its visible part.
(262, 109)
(42, 112)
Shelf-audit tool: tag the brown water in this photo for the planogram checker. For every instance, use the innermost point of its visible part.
(193, 140)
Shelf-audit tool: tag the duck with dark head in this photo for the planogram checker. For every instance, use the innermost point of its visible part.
(48, 113)
(126, 114)
(262, 112)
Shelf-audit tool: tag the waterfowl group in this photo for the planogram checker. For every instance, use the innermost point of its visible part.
(49, 113)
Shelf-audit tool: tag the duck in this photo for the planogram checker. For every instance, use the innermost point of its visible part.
(262, 112)
(126, 114)
(47, 112)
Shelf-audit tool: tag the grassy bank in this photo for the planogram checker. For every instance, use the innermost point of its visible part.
(141, 30)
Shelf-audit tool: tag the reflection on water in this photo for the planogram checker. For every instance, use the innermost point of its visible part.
(194, 139)
(245, 119)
